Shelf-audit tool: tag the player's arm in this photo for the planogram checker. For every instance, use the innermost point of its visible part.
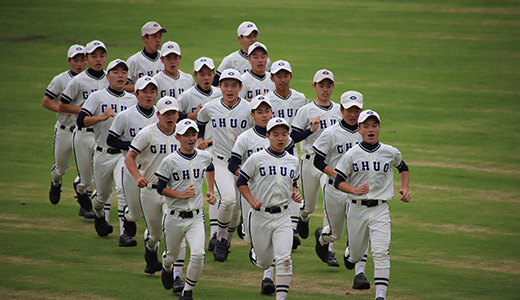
(88, 120)
(320, 164)
(167, 192)
(131, 166)
(66, 101)
(298, 134)
(404, 175)
(210, 180)
(243, 188)
(202, 144)
(49, 104)
(341, 184)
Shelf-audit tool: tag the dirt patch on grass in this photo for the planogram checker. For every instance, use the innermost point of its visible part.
(32, 222)
(464, 167)
(477, 194)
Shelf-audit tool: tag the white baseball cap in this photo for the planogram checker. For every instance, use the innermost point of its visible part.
(246, 28)
(230, 74)
(143, 82)
(364, 115)
(115, 63)
(151, 27)
(322, 75)
(280, 65)
(92, 46)
(75, 50)
(184, 125)
(277, 122)
(203, 61)
(256, 101)
(167, 103)
(170, 47)
(351, 98)
(254, 46)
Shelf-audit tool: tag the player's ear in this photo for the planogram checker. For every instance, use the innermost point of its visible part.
(177, 137)
(144, 37)
(162, 59)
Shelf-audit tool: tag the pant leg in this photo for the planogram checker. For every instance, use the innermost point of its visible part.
(83, 146)
(195, 236)
(62, 152)
(228, 209)
(261, 238)
(357, 231)
(152, 206)
(104, 166)
(380, 235)
(310, 177)
(334, 204)
(133, 211)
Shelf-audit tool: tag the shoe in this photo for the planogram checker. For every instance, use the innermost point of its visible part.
(296, 240)
(186, 295)
(126, 240)
(87, 214)
(152, 263)
(240, 229)
(167, 279)
(55, 193)
(220, 252)
(303, 228)
(212, 242)
(83, 199)
(129, 227)
(268, 286)
(321, 251)
(178, 285)
(331, 260)
(361, 282)
(380, 298)
(348, 264)
(102, 226)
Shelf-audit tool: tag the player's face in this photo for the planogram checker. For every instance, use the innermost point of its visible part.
(117, 78)
(262, 114)
(258, 61)
(171, 64)
(230, 89)
(369, 130)
(167, 120)
(351, 115)
(78, 63)
(323, 89)
(282, 79)
(147, 96)
(152, 42)
(246, 41)
(97, 59)
(278, 137)
(204, 77)
(188, 141)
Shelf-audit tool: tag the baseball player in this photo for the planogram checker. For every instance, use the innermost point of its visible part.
(172, 81)
(83, 139)
(98, 112)
(151, 145)
(332, 144)
(228, 117)
(125, 127)
(180, 178)
(146, 62)
(256, 81)
(190, 103)
(247, 35)
(365, 173)
(65, 124)
(285, 103)
(273, 176)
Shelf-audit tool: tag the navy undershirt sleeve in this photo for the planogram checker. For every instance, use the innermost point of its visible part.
(202, 130)
(114, 142)
(403, 167)
(319, 162)
(241, 180)
(81, 119)
(234, 164)
(299, 136)
(339, 179)
(161, 185)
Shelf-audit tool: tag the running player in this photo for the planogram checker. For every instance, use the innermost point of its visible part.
(180, 177)
(146, 62)
(65, 124)
(83, 139)
(273, 176)
(256, 81)
(365, 173)
(172, 81)
(228, 117)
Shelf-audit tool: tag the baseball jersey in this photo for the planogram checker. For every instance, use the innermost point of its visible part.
(286, 107)
(360, 165)
(127, 124)
(271, 176)
(252, 141)
(80, 88)
(254, 85)
(54, 90)
(181, 171)
(226, 123)
(238, 60)
(153, 145)
(336, 141)
(328, 116)
(140, 65)
(99, 102)
(173, 87)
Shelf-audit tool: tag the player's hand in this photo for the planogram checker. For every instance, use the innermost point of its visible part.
(405, 195)
(211, 197)
(296, 196)
(193, 115)
(362, 189)
(108, 113)
(315, 123)
(202, 144)
(255, 204)
(141, 182)
(188, 193)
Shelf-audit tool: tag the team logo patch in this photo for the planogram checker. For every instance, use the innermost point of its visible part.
(167, 102)
(281, 64)
(325, 73)
(279, 121)
(261, 98)
(231, 74)
(249, 25)
(170, 46)
(187, 122)
(203, 60)
(96, 44)
(370, 112)
(79, 49)
(353, 97)
(155, 25)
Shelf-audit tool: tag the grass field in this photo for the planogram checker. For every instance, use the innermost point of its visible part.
(444, 76)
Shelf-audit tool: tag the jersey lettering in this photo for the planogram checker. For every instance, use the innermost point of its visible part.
(365, 166)
(344, 148)
(186, 174)
(85, 94)
(172, 92)
(104, 107)
(162, 148)
(272, 171)
(233, 123)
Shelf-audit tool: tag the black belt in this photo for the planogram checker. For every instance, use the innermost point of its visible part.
(71, 128)
(331, 181)
(369, 203)
(88, 129)
(222, 158)
(308, 156)
(274, 209)
(185, 214)
(109, 150)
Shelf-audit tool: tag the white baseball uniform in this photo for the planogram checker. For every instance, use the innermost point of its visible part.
(254, 85)
(239, 61)
(173, 87)
(140, 65)
(286, 107)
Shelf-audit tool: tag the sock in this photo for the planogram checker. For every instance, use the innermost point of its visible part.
(330, 246)
(282, 286)
(381, 278)
(177, 274)
(360, 268)
(107, 211)
(304, 218)
(268, 273)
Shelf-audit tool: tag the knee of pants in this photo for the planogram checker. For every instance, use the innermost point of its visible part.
(284, 266)
(197, 258)
(331, 237)
(227, 205)
(381, 259)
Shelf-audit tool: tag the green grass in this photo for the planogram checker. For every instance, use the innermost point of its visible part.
(443, 75)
